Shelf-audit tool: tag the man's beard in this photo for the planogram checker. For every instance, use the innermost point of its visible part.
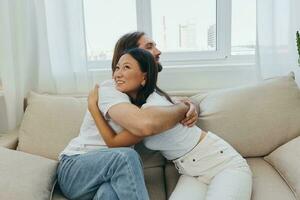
(159, 67)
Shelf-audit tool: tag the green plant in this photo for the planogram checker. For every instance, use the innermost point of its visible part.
(298, 42)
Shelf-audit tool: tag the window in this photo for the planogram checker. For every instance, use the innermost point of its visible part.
(184, 26)
(243, 32)
(189, 31)
(105, 21)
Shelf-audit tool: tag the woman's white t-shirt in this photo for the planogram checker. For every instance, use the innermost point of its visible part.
(175, 142)
(89, 137)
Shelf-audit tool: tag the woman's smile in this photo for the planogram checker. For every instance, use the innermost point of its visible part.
(118, 82)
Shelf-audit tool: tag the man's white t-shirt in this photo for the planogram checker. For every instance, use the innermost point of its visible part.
(89, 137)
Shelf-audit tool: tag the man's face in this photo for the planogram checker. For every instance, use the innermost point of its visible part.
(148, 44)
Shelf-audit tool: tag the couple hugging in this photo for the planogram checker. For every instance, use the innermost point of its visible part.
(99, 163)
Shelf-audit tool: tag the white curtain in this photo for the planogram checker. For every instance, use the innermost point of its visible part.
(42, 48)
(277, 22)
(17, 49)
(62, 47)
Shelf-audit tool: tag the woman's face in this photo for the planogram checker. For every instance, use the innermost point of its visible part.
(128, 76)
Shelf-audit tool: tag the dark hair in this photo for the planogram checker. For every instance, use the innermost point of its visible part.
(126, 42)
(149, 66)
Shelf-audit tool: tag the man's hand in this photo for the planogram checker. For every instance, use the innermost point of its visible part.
(93, 97)
(191, 116)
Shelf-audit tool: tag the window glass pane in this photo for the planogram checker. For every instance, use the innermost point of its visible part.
(188, 25)
(243, 28)
(105, 22)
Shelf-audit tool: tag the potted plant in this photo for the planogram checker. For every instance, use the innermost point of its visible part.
(298, 46)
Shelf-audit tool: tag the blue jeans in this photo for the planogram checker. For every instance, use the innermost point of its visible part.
(113, 173)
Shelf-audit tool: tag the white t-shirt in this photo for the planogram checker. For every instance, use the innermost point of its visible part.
(175, 142)
(89, 137)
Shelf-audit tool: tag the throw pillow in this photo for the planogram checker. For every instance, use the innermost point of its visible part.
(256, 118)
(49, 123)
(26, 176)
(286, 160)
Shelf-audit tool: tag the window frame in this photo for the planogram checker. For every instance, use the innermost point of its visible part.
(222, 55)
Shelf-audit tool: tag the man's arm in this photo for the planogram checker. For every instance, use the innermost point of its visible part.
(148, 121)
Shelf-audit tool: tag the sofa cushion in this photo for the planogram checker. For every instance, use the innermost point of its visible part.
(57, 194)
(25, 176)
(155, 182)
(286, 160)
(49, 123)
(172, 176)
(9, 139)
(267, 183)
(149, 157)
(256, 118)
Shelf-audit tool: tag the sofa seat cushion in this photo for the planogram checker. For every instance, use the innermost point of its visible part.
(9, 139)
(172, 176)
(155, 182)
(49, 123)
(57, 195)
(248, 116)
(26, 176)
(267, 182)
(286, 160)
(149, 157)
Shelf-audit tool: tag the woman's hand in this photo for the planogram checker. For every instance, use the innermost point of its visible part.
(93, 98)
(191, 116)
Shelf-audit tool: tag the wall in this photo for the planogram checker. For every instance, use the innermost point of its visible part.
(193, 79)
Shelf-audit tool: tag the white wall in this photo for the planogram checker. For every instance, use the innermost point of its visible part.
(193, 79)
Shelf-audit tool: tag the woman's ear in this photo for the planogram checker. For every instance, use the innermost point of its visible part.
(145, 79)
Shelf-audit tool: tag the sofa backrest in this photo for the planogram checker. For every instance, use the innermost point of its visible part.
(49, 123)
(255, 119)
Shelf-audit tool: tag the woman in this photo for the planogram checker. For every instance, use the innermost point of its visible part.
(195, 153)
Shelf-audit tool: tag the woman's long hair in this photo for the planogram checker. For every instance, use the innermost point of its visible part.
(149, 66)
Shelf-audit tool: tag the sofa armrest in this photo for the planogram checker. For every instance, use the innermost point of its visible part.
(9, 139)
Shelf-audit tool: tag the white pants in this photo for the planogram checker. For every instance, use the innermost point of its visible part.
(213, 170)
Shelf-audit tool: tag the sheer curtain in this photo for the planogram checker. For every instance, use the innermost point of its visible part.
(62, 47)
(42, 48)
(17, 49)
(277, 22)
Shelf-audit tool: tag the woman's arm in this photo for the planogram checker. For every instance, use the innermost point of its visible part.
(123, 139)
(191, 116)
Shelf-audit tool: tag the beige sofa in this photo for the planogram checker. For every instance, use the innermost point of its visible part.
(260, 121)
